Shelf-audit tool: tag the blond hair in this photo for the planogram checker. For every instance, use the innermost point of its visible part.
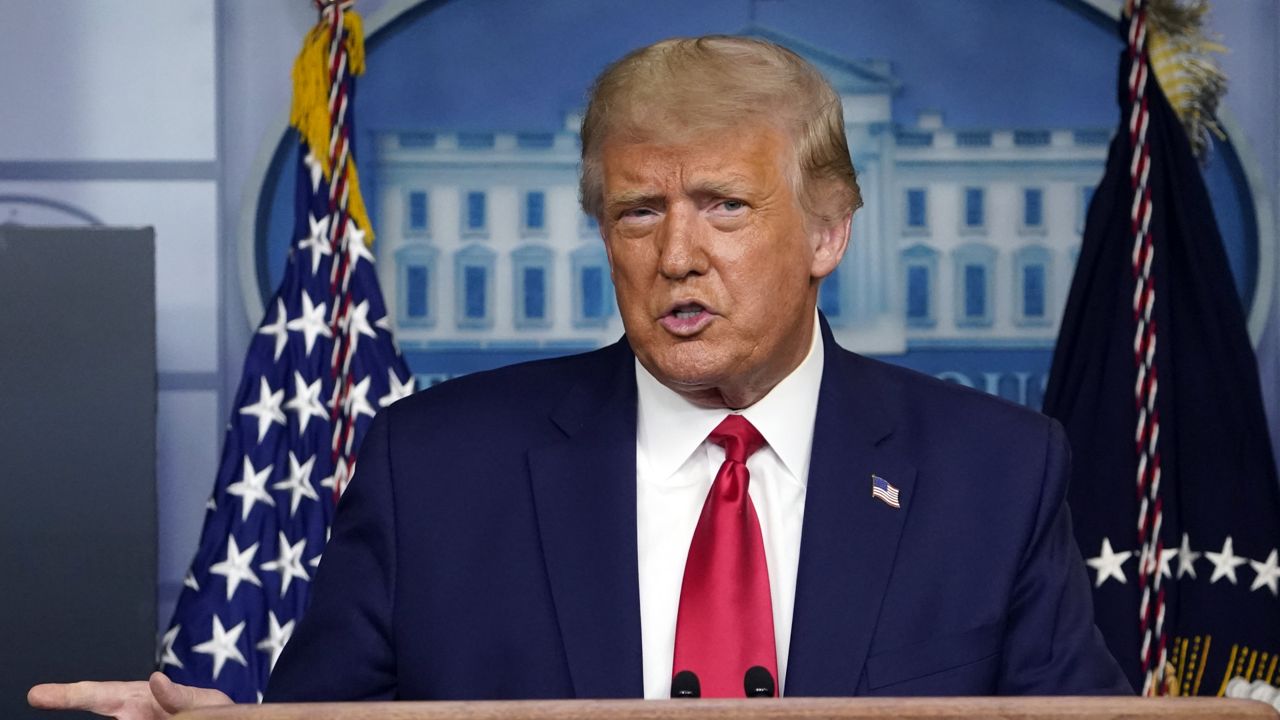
(677, 88)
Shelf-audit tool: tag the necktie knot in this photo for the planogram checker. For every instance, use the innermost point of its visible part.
(739, 438)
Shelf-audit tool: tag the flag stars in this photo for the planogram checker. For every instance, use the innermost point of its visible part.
(357, 324)
(288, 563)
(1167, 556)
(356, 247)
(252, 488)
(267, 409)
(277, 636)
(311, 323)
(1187, 558)
(357, 403)
(1267, 574)
(337, 482)
(1109, 564)
(167, 655)
(222, 646)
(314, 170)
(305, 402)
(277, 328)
(1148, 562)
(296, 322)
(237, 567)
(317, 241)
(398, 389)
(1224, 563)
(298, 483)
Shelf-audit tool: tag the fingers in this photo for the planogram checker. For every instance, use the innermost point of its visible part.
(175, 698)
(159, 697)
(44, 696)
(104, 698)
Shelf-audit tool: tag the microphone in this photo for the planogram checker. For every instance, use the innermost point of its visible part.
(758, 682)
(685, 685)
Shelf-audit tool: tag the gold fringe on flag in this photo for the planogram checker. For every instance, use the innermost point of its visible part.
(310, 110)
(1181, 56)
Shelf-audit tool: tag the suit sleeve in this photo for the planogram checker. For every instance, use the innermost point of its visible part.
(1052, 646)
(342, 649)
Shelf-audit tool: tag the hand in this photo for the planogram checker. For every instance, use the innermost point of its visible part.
(156, 699)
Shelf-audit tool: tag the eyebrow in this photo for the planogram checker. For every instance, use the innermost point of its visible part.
(632, 197)
(732, 186)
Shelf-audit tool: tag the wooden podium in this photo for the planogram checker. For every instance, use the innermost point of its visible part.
(1030, 708)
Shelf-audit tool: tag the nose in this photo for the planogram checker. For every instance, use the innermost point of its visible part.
(682, 250)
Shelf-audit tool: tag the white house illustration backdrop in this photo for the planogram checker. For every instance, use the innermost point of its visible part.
(967, 239)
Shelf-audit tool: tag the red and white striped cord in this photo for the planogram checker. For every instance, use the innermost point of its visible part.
(338, 152)
(1151, 610)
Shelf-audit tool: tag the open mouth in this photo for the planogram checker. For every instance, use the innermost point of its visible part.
(686, 319)
(684, 312)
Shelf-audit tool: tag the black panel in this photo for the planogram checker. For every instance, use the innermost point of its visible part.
(77, 457)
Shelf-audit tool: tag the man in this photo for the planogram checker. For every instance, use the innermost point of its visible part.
(546, 530)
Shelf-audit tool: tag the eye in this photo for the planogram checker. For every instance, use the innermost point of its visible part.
(730, 207)
(637, 212)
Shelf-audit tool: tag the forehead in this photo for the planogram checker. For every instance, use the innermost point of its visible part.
(748, 154)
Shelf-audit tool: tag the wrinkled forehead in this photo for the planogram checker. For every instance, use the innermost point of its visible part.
(748, 162)
(731, 155)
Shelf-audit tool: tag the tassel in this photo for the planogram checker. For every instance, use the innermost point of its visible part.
(355, 41)
(1180, 53)
(309, 112)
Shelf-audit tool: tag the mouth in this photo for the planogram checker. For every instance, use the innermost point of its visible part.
(686, 319)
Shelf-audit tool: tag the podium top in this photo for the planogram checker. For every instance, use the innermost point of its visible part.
(1026, 708)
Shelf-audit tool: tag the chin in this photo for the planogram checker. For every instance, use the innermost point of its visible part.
(687, 371)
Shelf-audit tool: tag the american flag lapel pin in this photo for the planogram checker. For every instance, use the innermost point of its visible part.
(882, 490)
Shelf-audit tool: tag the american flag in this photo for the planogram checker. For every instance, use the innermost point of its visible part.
(318, 368)
(880, 488)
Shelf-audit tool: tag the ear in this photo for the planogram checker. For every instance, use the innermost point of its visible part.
(830, 239)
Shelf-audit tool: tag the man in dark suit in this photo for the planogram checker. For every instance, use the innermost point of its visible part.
(561, 529)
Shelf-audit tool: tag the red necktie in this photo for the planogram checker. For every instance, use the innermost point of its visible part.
(725, 623)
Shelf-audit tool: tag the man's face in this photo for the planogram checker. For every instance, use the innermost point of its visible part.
(715, 269)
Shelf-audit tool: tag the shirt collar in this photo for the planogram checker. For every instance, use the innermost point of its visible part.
(670, 428)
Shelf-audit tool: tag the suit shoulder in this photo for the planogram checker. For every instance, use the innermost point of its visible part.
(510, 390)
(966, 444)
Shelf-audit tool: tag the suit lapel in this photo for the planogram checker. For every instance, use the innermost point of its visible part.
(849, 539)
(584, 490)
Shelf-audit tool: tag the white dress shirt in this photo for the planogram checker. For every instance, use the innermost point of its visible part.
(675, 466)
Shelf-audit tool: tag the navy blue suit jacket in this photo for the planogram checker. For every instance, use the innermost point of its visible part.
(487, 546)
